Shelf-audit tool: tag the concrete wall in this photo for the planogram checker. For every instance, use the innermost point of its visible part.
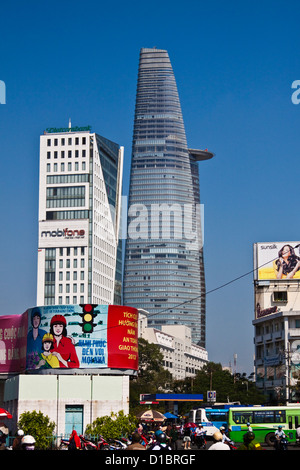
(99, 396)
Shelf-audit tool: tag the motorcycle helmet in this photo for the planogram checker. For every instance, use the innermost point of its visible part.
(217, 436)
(161, 437)
(28, 440)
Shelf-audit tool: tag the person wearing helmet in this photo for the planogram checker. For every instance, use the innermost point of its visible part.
(225, 438)
(279, 434)
(63, 347)
(136, 442)
(28, 442)
(160, 442)
(47, 358)
(249, 442)
(35, 335)
(17, 440)
(218, 444)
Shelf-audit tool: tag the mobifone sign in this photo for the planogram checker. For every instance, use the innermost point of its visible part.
(59, 233)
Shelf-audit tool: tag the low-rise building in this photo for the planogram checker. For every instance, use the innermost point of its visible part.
(181, 357)
(277, 319)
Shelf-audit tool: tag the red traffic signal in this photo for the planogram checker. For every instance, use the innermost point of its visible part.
(88, 316)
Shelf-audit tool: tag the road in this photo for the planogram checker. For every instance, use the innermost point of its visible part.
(292, 446)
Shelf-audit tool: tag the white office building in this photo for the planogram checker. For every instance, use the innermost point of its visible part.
(79, 251)
(181, 357)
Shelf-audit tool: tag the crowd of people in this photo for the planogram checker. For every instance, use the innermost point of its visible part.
(170, 437)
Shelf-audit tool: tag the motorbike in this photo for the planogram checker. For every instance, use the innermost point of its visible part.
(111, 444)
(281, 444)
(87, 444)
(64, 444)
(231, 445)
(200, 441)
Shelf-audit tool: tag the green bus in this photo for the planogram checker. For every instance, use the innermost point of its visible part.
(264, 421)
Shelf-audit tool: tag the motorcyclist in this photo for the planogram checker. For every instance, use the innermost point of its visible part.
(160, 442)
(249, 442)
(200, 437)
(225, 438)
(28, 442)
(218, 444)
(279, 435)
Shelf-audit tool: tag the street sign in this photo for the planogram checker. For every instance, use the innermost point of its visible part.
(211, 395)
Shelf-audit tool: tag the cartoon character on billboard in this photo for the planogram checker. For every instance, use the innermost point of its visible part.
(35, 335)
(48, 360)
(63, 347)
(288, 263)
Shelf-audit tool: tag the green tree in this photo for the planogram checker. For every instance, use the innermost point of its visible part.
(228, 387)
(152, 376)
(38, 426)
(114, 426)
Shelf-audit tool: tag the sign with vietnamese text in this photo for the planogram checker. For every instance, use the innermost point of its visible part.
(70, 337)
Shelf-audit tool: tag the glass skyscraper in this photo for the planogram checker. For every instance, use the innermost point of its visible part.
(164, 268)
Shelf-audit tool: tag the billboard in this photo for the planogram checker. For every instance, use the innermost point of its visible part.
(13, 342)
(72, 337)
(59, 233)
(277, 260)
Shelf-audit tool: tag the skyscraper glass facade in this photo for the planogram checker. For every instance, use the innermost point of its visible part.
(164, 270)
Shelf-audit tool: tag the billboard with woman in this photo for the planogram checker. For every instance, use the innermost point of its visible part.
(277, 260)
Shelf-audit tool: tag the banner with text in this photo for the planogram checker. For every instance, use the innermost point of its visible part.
(277, 260)
(70, 337)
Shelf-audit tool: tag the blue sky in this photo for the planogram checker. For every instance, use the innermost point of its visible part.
(234, 64)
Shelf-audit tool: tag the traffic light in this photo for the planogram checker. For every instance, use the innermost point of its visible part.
(88, 316)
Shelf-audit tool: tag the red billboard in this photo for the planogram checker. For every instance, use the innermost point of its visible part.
(85, 336)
